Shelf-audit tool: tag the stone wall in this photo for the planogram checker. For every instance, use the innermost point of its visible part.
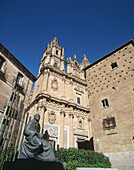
(110, 81)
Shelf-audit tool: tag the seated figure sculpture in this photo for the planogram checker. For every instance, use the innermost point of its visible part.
(35, 146)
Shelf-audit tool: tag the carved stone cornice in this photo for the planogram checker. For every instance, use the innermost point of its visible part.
(79, 90)
(74, 106)
(63, 73)
(80, 132)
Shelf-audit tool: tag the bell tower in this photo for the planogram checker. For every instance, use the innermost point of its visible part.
(54, 55)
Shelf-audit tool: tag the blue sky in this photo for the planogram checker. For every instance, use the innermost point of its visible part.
(95, 27)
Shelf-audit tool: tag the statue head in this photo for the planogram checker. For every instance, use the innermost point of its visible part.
(37, 117)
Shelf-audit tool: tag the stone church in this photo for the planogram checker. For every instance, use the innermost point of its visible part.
(62, 98)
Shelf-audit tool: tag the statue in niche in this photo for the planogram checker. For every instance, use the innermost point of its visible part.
(35, 146)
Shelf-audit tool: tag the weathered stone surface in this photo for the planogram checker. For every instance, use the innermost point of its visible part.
(115, 85)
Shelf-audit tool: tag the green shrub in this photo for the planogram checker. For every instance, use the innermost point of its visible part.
(75, 158)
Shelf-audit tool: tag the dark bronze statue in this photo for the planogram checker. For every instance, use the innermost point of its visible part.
(35, 146)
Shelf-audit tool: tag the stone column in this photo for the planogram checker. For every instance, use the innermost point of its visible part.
(42, 109)
(71, 90)
(63, 88)
(71, 130)
(75, 142)
(45, 81)
(90, 127)
(62, 129)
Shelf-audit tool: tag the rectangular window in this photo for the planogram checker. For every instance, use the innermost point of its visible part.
(78, 100)
(19, 78)
(114, 65)
(56, 52)
(2, 60)
(105, 103)
(55, 65)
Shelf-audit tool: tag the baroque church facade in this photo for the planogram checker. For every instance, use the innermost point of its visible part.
(62, 98)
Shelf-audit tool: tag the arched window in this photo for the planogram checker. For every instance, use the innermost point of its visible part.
(55, 65)
(80, 124)
(56, 52)
(19, 78)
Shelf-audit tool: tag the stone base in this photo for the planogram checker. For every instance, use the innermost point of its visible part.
(23, 164)
(96, 169)
(122, 160)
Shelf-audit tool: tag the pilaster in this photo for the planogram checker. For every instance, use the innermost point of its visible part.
(62, 113)
(71, 130)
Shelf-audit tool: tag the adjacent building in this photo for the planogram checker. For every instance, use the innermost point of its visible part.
(10, 70)
(111, 84)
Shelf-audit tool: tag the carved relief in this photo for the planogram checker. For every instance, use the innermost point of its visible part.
(54, 84)
(51, 117)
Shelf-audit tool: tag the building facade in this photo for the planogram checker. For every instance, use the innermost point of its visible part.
(61, 98)
(111, 84)
(10, 70)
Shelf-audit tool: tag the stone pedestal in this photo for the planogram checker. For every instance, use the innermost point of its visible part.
(23, 164)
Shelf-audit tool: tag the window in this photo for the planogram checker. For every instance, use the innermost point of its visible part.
(78, 100)
(19, 78)
(80, 124)
(56, 52)
(105, 103)
(55, 65)
(2, 60)
(85, 74)
(12, 97)
(114, 65)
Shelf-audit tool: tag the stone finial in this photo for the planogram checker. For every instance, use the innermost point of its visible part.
(54, 40)
(84, 57)
(75, 58)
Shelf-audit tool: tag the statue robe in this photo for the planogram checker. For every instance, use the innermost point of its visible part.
(34, 146)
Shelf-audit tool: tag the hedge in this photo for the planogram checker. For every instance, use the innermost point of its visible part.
(82, 158)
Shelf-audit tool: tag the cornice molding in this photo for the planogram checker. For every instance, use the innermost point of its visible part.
(63, 73)
(60, 101)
